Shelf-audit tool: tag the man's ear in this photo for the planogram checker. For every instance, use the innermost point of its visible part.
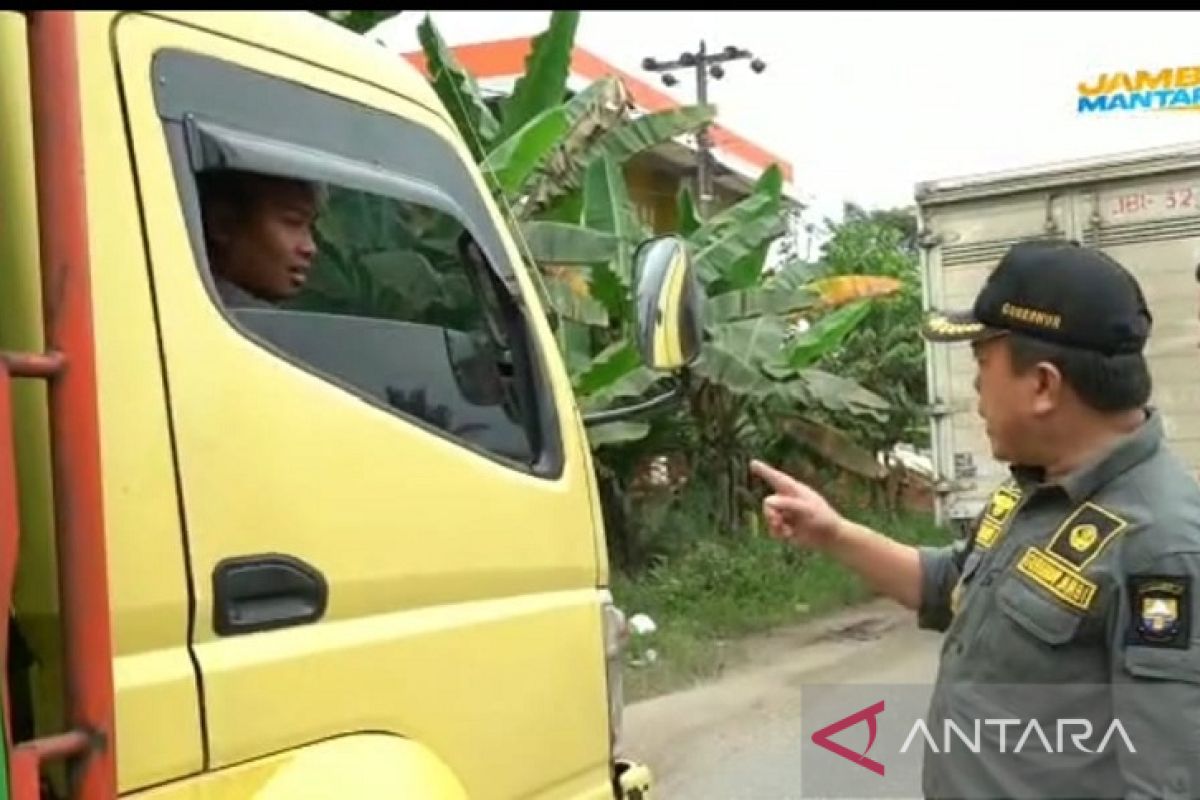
(1048, 387)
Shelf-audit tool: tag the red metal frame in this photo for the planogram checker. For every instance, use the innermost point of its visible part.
(70, 369)
(10, 524)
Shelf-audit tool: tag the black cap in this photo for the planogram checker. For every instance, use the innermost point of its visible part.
(1054, 291)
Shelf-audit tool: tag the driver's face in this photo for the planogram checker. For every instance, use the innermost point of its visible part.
(270, 252)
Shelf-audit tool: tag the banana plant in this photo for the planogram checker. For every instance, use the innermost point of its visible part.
(538, 152)
(541, 144)
(754, 349)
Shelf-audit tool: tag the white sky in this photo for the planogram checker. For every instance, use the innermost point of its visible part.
(867, 104)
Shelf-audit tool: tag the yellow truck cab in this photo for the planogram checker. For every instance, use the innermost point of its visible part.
(283, 550)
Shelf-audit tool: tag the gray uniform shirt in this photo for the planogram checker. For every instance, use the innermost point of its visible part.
(1072, 601)
(235, 296)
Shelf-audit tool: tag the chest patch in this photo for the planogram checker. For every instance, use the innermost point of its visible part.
(1084, 535)
(1058, 567)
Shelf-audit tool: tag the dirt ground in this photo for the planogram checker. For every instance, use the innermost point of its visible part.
(719, 740)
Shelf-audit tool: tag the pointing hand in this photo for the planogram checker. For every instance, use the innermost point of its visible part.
(796, 513)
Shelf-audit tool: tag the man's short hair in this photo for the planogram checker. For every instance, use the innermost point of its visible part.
(238, 189)
(1105, 383)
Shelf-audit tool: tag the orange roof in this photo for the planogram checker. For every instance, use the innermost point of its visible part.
(505, 57)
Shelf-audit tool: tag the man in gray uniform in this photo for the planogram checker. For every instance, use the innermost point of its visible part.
(1073, 599)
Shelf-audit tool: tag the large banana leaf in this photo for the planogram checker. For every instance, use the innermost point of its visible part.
(607, 207)
(610, 365)
(608, 289)
(544, 81)
(590, 114)
(458, 91)
(651, 130)
(748, 303)
(632, 385)
(727, 246)
(575, 343)
(735, 356)
(746, 272)
(567, 208)
(826, 335)
(792, 277)
(764, 198)
(615, 375)
(836, 446)
(600, 129)
(689, 218)
(716, 259)
(512, 161)
(563, 243)
(791, 290)
(841, 289)
(607, 94)
(816, 387)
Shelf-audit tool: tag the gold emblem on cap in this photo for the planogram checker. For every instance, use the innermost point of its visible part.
(939, 324)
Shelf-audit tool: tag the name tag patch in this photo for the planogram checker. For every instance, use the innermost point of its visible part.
(1064, 583)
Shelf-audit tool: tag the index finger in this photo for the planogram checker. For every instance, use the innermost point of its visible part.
(780, 482)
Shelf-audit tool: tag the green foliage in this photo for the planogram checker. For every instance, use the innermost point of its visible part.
(886, 354)
(703, 589)
(556, 164)
(792, 365)
(458, 90)
(542, 86)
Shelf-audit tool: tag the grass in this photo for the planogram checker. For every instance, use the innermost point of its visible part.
(705, 595)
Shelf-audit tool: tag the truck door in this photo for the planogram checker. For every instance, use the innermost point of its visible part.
(387, 520)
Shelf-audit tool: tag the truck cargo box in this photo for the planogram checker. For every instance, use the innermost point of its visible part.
(1142, 208)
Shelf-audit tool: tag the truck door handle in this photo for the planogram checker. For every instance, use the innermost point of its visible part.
(264, 592)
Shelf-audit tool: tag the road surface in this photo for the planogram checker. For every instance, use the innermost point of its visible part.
(737, 738)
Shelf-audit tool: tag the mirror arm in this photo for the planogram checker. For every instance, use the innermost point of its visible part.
(616, 414)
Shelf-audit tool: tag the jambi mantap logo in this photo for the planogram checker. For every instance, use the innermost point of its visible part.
(1172, 89)
(870, 714)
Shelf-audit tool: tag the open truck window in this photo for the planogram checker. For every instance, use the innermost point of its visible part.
(361, 253)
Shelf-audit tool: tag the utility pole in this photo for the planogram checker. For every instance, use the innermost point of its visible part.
(705, 65)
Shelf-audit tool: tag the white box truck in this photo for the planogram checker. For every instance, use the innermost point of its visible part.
(1143, 208)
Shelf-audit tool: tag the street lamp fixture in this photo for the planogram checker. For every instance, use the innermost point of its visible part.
(704, 64)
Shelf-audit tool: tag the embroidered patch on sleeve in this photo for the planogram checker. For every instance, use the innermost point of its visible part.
(1000, 508)
(1085, 533)
(1161, 610)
